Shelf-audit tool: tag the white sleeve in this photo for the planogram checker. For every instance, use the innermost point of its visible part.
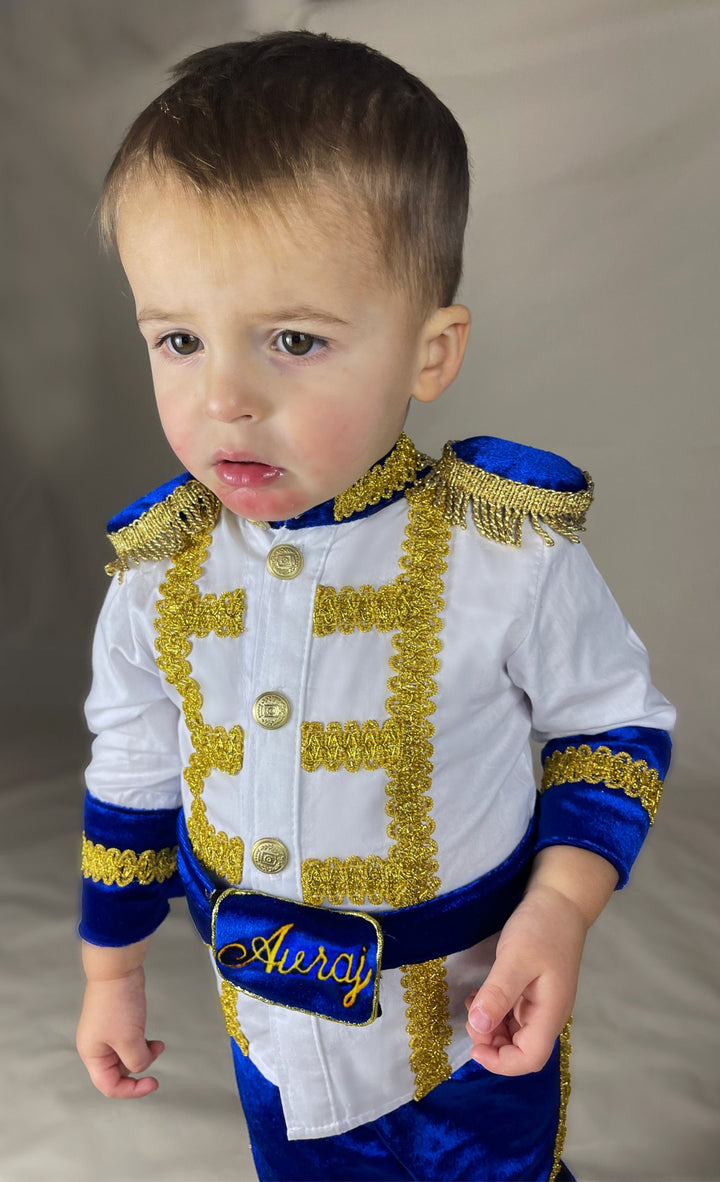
(581, 665)
(135, 757)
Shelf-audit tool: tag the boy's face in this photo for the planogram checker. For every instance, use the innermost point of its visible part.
(283, 362)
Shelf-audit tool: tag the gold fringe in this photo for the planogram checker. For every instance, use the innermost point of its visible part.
(500, 506)
(117, 867)
(600, 765)
(228, 1004)
(565, 1049)
(165, 529)
(399, 469)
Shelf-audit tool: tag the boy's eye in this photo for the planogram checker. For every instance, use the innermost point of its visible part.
(183, 344)
(297, 344)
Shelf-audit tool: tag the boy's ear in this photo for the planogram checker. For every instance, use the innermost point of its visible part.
(442, 348)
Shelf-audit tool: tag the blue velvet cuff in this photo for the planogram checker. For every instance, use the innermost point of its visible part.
(129, 869)
(600, 792)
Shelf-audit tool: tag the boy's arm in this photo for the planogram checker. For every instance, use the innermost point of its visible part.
(111, 1032)
(517, 1014)
(129, 869)
(606, 751)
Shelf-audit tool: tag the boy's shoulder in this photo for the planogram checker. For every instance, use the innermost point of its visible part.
(504, 482)
(162, 523)
(501, 482)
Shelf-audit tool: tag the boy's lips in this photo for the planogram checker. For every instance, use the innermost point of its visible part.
(242, 470)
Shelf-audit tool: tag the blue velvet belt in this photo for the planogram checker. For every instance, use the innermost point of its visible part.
(325, 961)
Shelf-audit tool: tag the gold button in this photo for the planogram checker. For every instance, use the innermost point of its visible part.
(269, 855)
(284, 562)
(271, 710)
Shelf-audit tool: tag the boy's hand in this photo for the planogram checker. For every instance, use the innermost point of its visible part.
(515, 1017)
(111, 1032)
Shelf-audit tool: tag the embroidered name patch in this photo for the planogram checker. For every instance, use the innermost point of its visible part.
(304, 958)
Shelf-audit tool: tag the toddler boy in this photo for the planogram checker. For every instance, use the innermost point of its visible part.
(314, 688)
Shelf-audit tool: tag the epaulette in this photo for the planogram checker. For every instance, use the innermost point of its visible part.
(506, 482)
(162, 523)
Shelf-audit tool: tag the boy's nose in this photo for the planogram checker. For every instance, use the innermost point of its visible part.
(233, 396)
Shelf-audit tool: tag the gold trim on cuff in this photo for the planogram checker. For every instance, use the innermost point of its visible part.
(117, 867)
(600, 765)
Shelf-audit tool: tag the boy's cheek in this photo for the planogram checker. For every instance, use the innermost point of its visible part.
(180, 439)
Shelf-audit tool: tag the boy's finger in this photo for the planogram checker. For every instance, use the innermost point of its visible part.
(528, 1052)
(111, 1079)
(495, 998)
(529, 1047)
(137, 1055)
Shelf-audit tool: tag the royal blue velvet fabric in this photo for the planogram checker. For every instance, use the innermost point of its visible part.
(446, 924)
(117, 915)
(132, 512)
(516, 461)
(476, 1125)
(324, 514)
(291, 954)
(593, 816)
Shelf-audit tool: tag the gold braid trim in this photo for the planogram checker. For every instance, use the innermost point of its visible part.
(499, 506)
(362, 609)
(181, 611)
(565, 1049)
(117, 867)
(600, 765)
(402, 746)
(394, 473)
(353, 745)
(427, 1012)
(228, 1003)
(165, 529)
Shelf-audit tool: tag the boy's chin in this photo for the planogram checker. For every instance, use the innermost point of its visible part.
(263, 504)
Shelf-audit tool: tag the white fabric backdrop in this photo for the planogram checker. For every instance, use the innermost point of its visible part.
(592, 272)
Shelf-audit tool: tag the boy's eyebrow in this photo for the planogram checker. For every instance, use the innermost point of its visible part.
(301, 312)
(147, 314)
(298, 312)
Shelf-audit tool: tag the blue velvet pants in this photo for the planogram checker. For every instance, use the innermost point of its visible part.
(476, 1125)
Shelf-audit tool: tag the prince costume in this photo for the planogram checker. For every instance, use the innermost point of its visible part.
(319, 731)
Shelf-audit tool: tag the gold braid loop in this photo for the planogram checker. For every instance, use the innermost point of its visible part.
(363, 609)
(600, 765)
(499, 505)
(165, 529)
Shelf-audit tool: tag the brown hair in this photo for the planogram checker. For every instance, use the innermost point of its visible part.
(260, 121)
